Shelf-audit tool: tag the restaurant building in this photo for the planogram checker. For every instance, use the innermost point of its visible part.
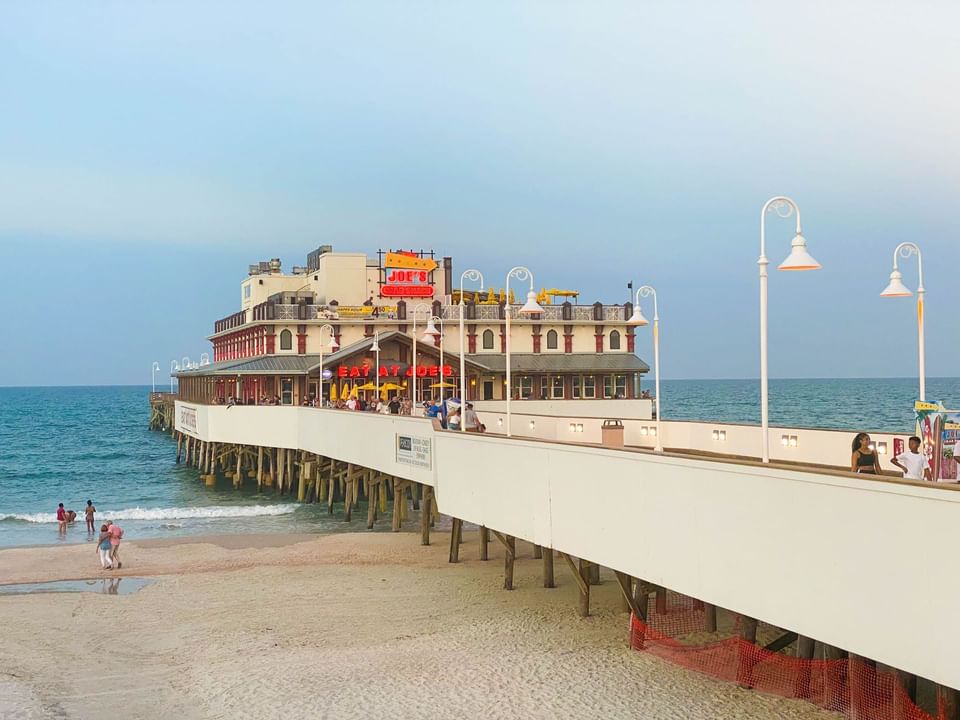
(347, 324)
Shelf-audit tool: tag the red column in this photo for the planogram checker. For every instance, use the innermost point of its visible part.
(472, 343)
(271, 343)
(301, 343)
(503, 342)
(599, 337)
(567, 342)
(631, 342)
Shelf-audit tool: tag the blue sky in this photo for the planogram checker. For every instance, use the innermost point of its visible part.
(150, 151)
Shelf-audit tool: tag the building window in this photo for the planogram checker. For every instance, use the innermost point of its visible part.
(544, 387)
(524, 387)
(576, 385)
(488, 339)
(589, 386)
(246, 291)
(552, 340)
(608, 386)
(614, 340)
(557, 387)
(620, 386)
(286, 389)
(286, 340)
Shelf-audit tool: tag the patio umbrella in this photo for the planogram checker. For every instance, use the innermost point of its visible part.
(333, 392)
(366, 386)
(443, 385)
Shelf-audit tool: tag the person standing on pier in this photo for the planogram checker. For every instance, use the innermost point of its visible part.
(89, 512)
(864, 459)
(913, 462)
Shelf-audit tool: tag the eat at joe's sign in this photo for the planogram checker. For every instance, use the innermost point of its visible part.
(363, 371)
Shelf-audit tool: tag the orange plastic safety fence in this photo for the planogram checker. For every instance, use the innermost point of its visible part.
(852, 687)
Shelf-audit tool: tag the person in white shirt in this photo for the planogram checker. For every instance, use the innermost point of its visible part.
(913, 462)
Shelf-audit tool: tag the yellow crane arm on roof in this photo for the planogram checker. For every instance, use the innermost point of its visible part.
(563, 293)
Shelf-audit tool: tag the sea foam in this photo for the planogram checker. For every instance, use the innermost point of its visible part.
(174, 513)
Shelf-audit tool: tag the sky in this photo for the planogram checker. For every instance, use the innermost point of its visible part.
(149, 152)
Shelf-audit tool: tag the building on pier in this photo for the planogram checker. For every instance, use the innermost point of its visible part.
(279, 343)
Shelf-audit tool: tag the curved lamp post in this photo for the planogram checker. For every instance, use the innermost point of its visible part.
(896, 288)
(473, 275)
(174, 367)
(153, 375)
(637, 319)
(799, 259)
(332, 345)
(375, 348)
(531, 307)
(428, 334)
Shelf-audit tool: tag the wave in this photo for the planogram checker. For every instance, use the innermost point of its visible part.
(187, 513)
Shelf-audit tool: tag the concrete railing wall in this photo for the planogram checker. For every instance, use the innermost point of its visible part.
(862, 564)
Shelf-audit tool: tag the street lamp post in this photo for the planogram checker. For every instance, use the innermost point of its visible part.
(473, 275)
(638, 319)
(414, 310)
(153, 375)
(531, 307)
(174, 367)
(896, 288)
(799, 259)
(376, 349)
(333, 345)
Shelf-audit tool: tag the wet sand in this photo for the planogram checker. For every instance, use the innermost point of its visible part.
(333, 626)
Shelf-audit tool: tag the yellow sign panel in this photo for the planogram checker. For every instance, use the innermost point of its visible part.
(398, 260)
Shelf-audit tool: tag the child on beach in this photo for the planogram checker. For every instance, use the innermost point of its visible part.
(913, 462)
(88, 512)
(103, 548)
(61, 520)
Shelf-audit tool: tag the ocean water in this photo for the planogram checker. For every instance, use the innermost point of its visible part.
(70, 444)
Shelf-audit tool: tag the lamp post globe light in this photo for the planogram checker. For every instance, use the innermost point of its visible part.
(531, 307)
(375, 348)
(473, 275)
(332, 345)
(153, 375)
(799, 259)
(638, 320)
(896, 288)
(174, 367)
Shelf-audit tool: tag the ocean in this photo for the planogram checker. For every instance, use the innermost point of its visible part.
(71, 444)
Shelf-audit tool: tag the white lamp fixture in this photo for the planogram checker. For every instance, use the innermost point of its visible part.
(332, 345)
(375, 348)
(799, 259)
(174, 367)
(416, 381)
(153, 375)
(531, 307)
(469, 275)
(637, 319)
(896, 288)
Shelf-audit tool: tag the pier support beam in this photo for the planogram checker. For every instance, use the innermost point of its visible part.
(509, 557)
(484, 542)
(425, 512)
(548, 579)
(456, 528)
(745, 655)
(580, 574)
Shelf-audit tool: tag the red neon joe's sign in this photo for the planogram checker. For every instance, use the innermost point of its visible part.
(365, 371)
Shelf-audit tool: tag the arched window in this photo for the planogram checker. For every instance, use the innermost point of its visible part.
(552, 340)
(286, 340)
(488, 339)
(614, 340)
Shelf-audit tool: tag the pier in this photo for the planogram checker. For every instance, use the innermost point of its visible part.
(806, 549)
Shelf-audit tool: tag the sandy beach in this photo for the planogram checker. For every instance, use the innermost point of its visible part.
(333, 626)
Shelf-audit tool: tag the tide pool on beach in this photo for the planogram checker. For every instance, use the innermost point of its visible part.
(71, 444)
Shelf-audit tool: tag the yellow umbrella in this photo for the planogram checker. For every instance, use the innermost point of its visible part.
(333, 392)
(443, 385)
(366, 386)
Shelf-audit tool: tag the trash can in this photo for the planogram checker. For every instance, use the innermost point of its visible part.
(611, 434)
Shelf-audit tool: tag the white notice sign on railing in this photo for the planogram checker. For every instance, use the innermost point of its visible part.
(416, 451)
(188, 419)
